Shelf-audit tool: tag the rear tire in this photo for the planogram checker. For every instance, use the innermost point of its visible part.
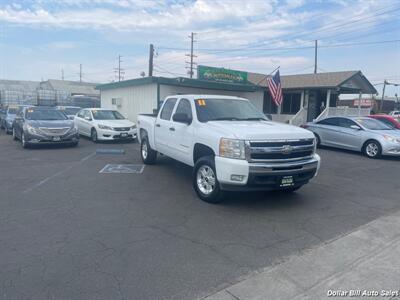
(149, 156)
(205, 181)
(25, 145)
(372, 149)
(14, 134)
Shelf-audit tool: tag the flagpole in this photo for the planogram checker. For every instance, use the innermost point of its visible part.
(266, 76)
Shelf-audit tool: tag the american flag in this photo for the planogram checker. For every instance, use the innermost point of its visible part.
(275, 88)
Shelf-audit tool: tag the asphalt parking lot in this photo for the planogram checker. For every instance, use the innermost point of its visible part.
(70, 232)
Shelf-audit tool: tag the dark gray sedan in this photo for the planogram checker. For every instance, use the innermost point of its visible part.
(364, 134)
(41, 125)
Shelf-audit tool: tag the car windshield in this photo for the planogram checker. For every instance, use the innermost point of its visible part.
(12, 110)
(227, 109)
(45, 115)
(70, 110)
(107, 115)
(373, 124)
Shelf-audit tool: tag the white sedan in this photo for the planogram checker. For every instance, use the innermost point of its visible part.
(104, 125)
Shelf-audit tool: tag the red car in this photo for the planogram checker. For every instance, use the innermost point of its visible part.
(388, 120)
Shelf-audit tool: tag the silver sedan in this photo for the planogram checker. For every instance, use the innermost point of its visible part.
(371, 137)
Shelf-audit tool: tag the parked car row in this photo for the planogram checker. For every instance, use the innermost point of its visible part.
(33, 125)
(374, 135)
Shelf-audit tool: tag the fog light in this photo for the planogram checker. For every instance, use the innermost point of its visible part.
(235, 177)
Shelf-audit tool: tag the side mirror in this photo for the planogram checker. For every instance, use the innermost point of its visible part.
(355, 127)
(182, 118)
(88, 119)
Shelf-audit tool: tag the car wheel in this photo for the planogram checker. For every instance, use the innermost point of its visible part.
(23, 141)
(205, 181)
(14, 134)
(372, 149)
(149, 156)
(317, 139)
(93, 136)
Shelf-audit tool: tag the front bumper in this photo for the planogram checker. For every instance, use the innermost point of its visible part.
(391, 149)
(68, 138)
(111, 135)
(236, 174)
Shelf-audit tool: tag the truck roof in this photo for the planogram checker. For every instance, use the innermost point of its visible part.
(200, 96)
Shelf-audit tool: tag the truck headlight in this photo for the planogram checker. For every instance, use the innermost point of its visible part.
(105, 127)
(231, 148)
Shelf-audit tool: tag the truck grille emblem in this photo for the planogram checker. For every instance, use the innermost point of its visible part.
(287, 149)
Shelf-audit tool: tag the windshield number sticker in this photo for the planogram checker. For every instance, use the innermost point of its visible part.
(201, 102)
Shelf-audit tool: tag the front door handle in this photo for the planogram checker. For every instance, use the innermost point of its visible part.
(158, 125)
(172, 128)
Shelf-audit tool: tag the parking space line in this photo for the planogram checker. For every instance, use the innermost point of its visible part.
(57, 174)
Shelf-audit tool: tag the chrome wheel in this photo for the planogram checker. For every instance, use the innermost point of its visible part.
(144, 150)
(23, 140)
(372, 149)
(205, 180)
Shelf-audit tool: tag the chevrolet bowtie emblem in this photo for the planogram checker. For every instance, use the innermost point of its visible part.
(287, 149)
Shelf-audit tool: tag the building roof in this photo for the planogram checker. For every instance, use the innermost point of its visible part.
(181, 81)
(19, 85)
(345, 81)
(72, 87)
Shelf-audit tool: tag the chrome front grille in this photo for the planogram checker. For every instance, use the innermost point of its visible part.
(54, 131)
(279, 150)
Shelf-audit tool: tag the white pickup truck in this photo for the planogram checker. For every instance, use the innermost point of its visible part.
(230, 143)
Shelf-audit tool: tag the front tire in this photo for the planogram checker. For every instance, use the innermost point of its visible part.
(149, 156)
(93, 136)
(14, 134)
(205, 181)
(372, 149)
(25, 145)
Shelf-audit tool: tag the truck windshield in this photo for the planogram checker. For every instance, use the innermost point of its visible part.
(227, 109)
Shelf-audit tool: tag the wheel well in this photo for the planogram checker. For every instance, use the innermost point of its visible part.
(318, 138)
(143, 133)
(201, 150)
(370, 140)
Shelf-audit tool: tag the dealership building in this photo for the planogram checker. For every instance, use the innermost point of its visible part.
(305, 97)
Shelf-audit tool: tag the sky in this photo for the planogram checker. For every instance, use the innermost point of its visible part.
(41, 39)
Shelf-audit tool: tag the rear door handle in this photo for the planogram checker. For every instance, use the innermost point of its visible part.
(172, 128)
(158, 125)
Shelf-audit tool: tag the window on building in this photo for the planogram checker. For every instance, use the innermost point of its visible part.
(269, 106)
(167, 109)
(291, 103)
(114, 101)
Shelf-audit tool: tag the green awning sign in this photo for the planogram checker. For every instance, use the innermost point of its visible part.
(221, 75)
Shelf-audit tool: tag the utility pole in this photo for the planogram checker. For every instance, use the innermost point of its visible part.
(119, 72)
(80, 72)
(151, 58)
(316, 57)
(62, 74)
(191, 55)
(383, 94)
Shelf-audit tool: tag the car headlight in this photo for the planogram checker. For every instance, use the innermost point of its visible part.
(73, 129)
(31, 129)
(133, 127)
(105, 127)
(231, 148)
(391, 138)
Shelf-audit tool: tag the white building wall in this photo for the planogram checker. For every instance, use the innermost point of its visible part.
(131, 101)
(257, 98)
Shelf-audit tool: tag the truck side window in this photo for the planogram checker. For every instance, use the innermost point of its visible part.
(184, 107)
(167, 109)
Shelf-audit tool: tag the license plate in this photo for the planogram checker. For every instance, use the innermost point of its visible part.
(56, 139)
(124, 134)
(287, 181)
